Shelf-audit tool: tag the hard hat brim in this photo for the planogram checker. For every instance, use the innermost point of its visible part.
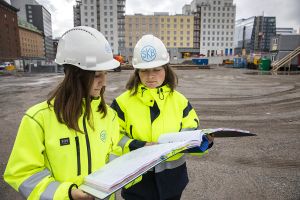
(111, 64)
(152, 64)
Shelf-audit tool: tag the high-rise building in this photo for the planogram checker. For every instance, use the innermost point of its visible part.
(254, 34)
(176, 31)
(76, 13)
(9, 32)
(40, 17)
(20, 4)
(214, 26)
(107, 16)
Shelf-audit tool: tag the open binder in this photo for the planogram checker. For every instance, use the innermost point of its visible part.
(128, 167)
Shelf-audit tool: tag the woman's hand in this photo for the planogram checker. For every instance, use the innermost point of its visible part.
(78, 194)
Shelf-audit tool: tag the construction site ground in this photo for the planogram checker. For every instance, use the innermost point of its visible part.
(263, 167)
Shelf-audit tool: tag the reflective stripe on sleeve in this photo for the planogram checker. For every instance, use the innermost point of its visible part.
(170, 164)
(187, 110)
(112, 157)
(28, 185)
(123, 141)
(48, 194)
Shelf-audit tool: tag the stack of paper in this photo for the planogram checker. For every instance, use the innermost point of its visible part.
(128, 167)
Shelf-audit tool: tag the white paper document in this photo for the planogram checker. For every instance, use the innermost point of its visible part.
(128, 167)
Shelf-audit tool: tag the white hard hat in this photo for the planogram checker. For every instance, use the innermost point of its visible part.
(86, 48)
(149, 52)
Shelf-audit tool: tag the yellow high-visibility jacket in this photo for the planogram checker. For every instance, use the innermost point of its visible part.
(147, 115)
(48, 157)
(150, 113)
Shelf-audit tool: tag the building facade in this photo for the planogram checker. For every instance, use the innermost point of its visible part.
(285, 31)
(176, 31)
(9, 34)
(40, 17)
(282, 45)
(31, 41)
(107, 16)
(214, 26)
(254, 34)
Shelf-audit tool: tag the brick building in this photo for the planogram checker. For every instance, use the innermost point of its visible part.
(9, 34)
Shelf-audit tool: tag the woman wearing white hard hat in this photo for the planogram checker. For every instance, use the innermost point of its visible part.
(150, 107)
(73, 133)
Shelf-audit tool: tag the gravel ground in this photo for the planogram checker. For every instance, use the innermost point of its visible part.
(263, 167)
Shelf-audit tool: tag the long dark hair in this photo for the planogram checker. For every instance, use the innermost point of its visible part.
(171, 80)
(71, 94)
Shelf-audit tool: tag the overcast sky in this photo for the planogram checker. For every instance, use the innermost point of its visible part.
(286, 11)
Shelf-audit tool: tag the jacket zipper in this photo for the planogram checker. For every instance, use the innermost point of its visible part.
(78, 156)
(87, 146)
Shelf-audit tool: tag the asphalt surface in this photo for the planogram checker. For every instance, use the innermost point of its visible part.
(263, 167)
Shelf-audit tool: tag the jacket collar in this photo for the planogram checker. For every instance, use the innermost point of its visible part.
(149, 95)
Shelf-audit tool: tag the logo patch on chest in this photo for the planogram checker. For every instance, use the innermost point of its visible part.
(103, 136)
(64, 141)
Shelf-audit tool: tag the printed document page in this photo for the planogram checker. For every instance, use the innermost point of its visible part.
(130, 164)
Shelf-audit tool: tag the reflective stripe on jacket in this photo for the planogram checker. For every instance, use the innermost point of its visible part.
(48, 157)
(150, 113)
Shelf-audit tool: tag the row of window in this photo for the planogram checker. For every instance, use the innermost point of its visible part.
(218, 14)
(218, 26)
(217, 44)
(218, 8)
(157, 25)
(92, 1)
(143, 20)
(169, 44)
(218, 20)
(217, 33)
(163, 32)
(218, 38)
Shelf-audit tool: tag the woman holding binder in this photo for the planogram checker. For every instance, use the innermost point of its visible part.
(150, 107)
(74, 132)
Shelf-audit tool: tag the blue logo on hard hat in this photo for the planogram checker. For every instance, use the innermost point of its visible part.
(108, 48)
(148, 53)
